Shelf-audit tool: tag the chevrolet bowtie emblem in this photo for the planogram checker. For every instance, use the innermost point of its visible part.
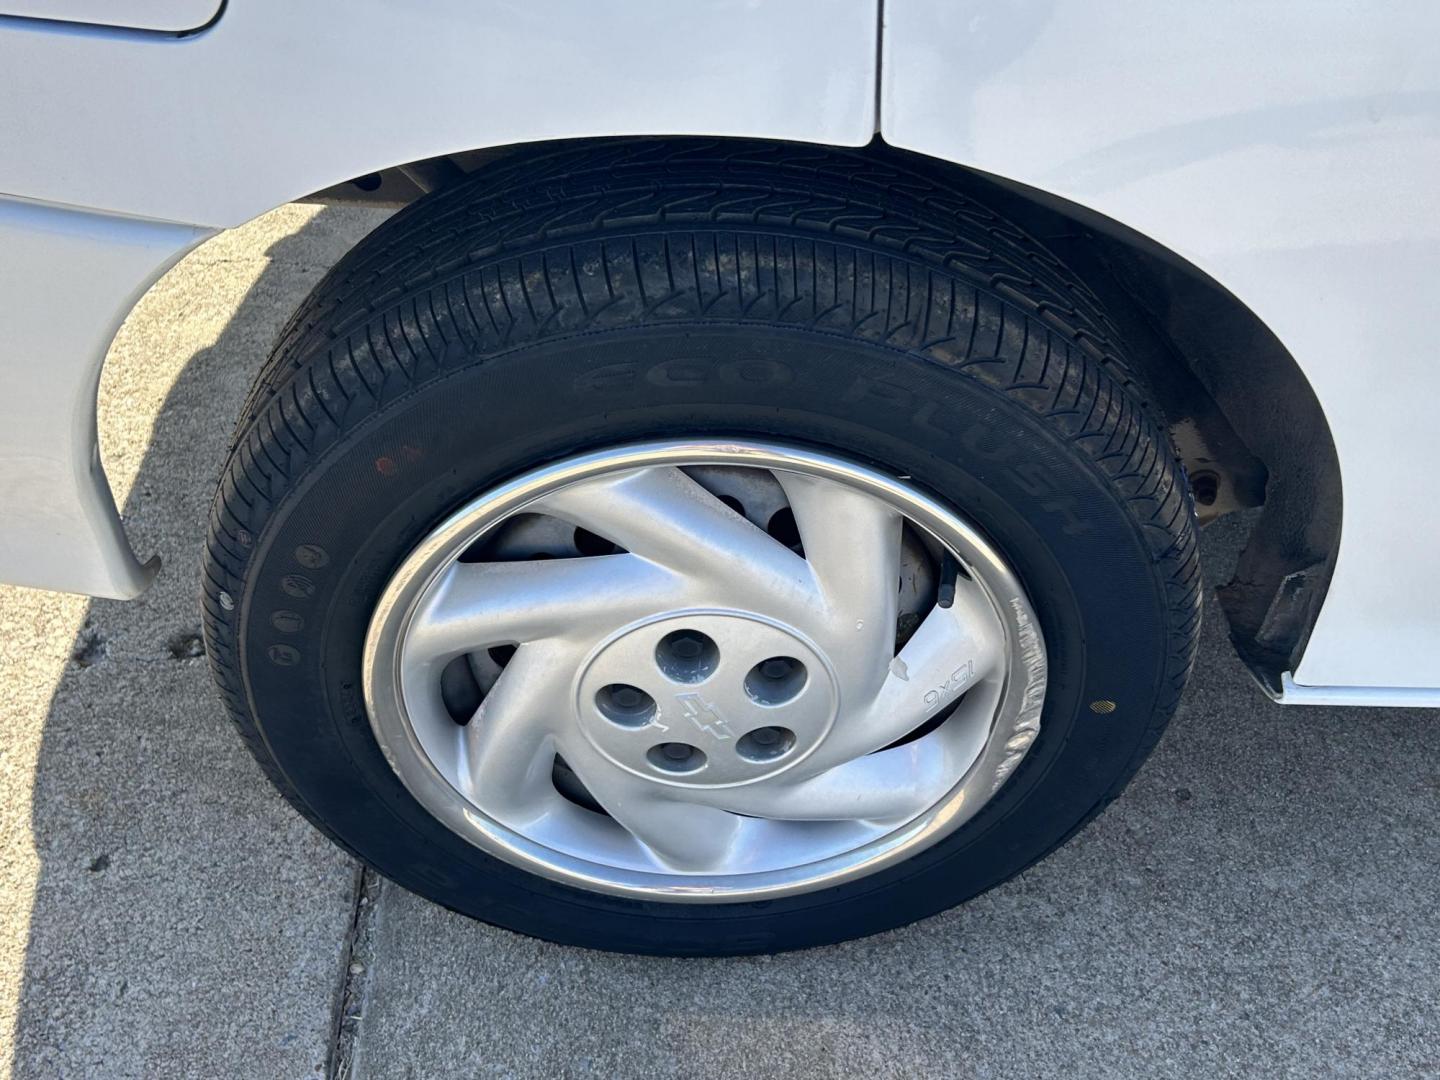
(703, 715)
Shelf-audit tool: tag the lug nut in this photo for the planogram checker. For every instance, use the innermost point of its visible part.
(766, 744)
(686, 648)
(676, 757)
(687, 656)
(775, 681)
(628, 706)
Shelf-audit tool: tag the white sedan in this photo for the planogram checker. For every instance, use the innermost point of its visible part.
(747, 496)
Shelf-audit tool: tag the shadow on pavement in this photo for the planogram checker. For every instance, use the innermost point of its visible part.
(185, 922)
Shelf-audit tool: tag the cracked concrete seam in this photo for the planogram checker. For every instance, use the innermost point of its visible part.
(355, 966)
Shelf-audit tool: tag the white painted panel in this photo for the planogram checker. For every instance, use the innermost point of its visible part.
(1291, 151)
(169, 15)
(1386, 697)
(67, 280)
(281, 98)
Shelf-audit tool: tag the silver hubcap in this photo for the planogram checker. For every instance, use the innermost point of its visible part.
(684, 670)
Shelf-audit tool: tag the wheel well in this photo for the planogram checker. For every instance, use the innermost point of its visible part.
(1244, 420)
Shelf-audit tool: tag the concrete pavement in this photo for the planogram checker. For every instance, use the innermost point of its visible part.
(161, 912)
(1262, 901)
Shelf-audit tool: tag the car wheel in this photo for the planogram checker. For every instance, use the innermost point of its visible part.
(700, 548)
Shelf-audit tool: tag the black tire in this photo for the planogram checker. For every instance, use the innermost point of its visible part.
(585, 296)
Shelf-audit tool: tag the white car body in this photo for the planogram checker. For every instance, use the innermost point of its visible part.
(1287, 152)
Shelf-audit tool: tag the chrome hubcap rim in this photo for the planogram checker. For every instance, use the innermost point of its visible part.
(704, 699)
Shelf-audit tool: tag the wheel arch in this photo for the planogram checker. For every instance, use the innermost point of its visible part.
(1245, 420)
(1249, 428)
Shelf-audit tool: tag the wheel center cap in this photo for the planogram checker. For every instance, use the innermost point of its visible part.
(706, 698)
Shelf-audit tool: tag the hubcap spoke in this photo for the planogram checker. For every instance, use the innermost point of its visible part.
(954, 650)
(508, 744)
(895, 785)
(683, 836)
(477, 605)
(852, 543)
(663, 515)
